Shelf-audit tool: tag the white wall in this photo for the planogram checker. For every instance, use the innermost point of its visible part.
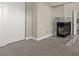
(58, 11)
(34, 19)
(31, 20)
(68, 8)
(28, 16)
(12, 23)
(39, 22)
(44, 20)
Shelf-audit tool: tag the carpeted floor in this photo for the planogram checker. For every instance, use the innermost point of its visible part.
(45, 47)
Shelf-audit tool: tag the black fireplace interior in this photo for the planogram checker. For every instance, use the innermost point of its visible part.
(63, 29)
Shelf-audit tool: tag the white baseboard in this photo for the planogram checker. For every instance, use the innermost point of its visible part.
(34, 38)
(27, 38)
(41, 38)
(8, 43)
(38, 39)
(31, 38)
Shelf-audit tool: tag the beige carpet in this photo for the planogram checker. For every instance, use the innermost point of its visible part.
(45, 47)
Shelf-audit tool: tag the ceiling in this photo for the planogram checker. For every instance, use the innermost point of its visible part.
(52, 4)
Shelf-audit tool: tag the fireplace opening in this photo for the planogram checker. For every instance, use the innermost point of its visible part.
(63, 29)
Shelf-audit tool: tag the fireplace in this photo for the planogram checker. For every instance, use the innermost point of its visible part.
(63, 29)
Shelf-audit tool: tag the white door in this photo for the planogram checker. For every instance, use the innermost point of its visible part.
(12, 22)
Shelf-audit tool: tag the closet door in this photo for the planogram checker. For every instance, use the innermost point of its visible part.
(12, 22)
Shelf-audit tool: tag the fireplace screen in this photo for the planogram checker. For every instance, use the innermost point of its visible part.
(63, 29)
